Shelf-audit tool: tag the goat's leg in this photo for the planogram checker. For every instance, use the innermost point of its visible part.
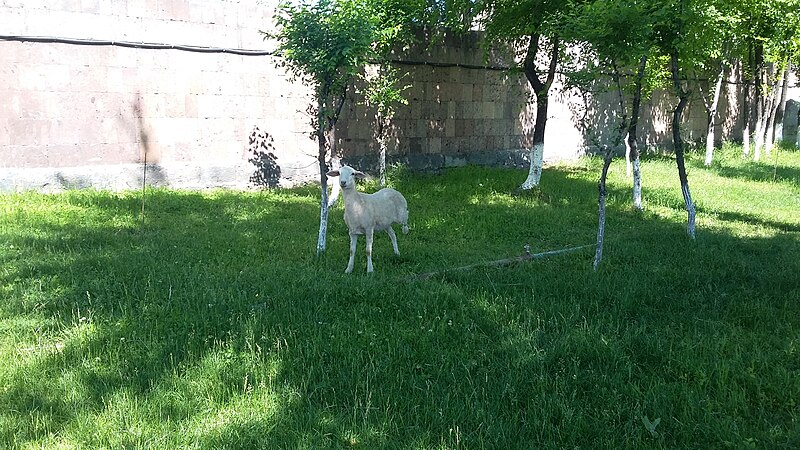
(369, 234)
(353, 244)
(393, 237)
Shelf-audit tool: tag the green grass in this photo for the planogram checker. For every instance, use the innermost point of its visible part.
(216, 326)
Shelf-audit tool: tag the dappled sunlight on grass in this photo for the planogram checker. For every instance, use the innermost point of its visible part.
(214, 325)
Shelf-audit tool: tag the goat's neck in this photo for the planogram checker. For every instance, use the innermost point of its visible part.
(351, 196)
(350, 193)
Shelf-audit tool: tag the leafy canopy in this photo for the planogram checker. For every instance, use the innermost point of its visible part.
(325, 43)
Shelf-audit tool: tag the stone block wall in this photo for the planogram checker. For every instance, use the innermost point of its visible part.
(75, 115)
(79, 111)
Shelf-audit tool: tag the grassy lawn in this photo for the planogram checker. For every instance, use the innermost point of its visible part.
(216, 326)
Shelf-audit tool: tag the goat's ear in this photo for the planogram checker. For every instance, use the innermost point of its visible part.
(360, 175)
(333, 173)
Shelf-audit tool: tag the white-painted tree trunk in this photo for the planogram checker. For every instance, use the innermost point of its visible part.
(601, 231)
(323, 225)
(535, 171)
(336, 164)
(769, 129)
(628, 164)
(761, 121)
(324, 203)
(781, 112)
(758, 140)
(746, 136)
(601, 213)
(680, 160)
(382, 161)
(637, 185)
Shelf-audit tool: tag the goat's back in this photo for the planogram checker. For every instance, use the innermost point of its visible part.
(390, 207)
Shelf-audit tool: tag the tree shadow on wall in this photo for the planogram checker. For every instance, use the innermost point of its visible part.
(597, 117)
(262, 155)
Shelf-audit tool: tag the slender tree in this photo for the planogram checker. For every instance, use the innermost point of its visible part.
(760, 77)
(678, 32)
(616, 39)
(325, 44)
(384, 93)
(536, 28)
(683, 98)
(712, 59)
(781, 111)
(773, 100)
(711, 110)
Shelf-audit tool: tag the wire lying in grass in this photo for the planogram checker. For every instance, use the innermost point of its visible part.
(527, 256)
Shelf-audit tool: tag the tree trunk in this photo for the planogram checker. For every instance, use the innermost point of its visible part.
(683, 99)
(336, 163)
(537, 150)
(712, 115)
(633, 125)
(628, 163)
(778, 102)
(758, 140)
(329, 108)
(601, 215)
(535, 170)
(778, 130)
(323, 180)
(758, 143)
(382, 162)
(772, 109)
(381, 138)
(745, 114)
(541, 89)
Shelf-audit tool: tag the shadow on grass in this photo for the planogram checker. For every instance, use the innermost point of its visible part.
(216, 327)
(755, 220)
(730, 164)
(759, 172)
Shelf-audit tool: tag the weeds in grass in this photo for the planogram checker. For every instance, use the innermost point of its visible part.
(218, 327)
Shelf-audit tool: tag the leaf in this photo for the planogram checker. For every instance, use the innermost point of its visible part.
(651, 426)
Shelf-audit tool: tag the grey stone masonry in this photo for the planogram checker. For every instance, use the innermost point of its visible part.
(77, 115)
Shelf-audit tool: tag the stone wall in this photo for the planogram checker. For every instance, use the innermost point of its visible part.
(462, 108)
(76, 114)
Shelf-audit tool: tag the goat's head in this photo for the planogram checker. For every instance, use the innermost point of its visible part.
(347, 176)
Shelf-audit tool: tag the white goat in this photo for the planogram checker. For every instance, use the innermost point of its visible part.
(366, 213)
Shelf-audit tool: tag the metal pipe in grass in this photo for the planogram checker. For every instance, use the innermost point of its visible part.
(526, 256)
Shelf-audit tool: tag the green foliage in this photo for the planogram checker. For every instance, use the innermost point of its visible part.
(384, 91)
(217, 327)
(705, 33)
(618, 32)
(683, 26)
(325, 40)
(775, 25)
(326, 44)
(613, 36)
(657, 77)
(510, 20)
